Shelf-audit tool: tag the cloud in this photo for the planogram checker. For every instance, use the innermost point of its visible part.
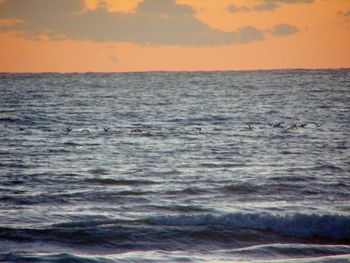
(163, 7)
(39, 8)
(248, 33)
(160, 22)
(284, 30)
(343, 13)
(265, 5)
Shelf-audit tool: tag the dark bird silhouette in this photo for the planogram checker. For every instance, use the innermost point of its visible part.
(302, 125)
(136, 131)
(69, 129)
(278, 125)
(21, 129)
(106, 129)
(249, 127)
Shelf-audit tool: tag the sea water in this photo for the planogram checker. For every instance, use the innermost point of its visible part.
(175, 167)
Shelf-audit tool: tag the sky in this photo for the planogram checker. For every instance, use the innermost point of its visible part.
(174, 35)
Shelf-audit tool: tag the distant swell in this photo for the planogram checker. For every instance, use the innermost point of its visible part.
(157, 231)
(175, 256)
(47, 257)
(110, 181)
(299, 225)
(9, 120)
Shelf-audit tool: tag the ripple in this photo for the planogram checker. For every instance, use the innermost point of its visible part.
(110, 181)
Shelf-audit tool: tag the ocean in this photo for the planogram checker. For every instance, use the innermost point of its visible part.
(241, 166)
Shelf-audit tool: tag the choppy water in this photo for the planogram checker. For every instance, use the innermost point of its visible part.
(179, 176)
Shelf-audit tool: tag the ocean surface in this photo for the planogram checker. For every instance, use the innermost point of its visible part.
(175, 167)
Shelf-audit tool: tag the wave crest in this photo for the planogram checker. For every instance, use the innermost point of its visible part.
(299, 225)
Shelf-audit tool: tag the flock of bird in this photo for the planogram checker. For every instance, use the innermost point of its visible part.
(282, 125)
(250, 127)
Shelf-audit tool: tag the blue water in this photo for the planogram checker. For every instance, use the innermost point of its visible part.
(175, 167)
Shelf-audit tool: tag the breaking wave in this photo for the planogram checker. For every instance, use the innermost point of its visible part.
(299, 225)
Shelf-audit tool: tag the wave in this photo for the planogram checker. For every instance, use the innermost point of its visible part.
(167, 256)
(299, 225)
(50, 257)
(16, 165)
(110, 181)
(161, 231)
(242, 188)
(9, 120)
(243, 234)
(15, 120)
(192, 190)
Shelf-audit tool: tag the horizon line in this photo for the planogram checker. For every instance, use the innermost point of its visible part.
(172, 71)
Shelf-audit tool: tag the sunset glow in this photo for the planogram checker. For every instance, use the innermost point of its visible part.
(135, 35)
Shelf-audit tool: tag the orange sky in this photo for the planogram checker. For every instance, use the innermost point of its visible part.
(315, 34)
